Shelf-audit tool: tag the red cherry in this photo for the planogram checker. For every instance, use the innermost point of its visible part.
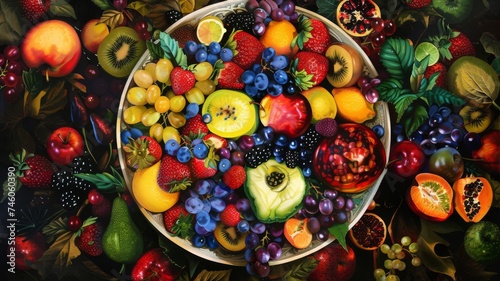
(2, 60)
(91, 101)
(12, 53)
(12, 95)
(95, 197)
(92, 71)
(74, 223)
(11, 79)
(14, 67)
(128, 198)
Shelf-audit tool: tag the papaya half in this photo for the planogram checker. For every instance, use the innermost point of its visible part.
(473, 197)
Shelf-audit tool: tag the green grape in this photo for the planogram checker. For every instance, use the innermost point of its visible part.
(152, 93)
(132, 115)
(395, 264)
(391, 255)
(416, 261)
(176, 119)
(195, 95)
(207, 87)
(149, 117)
(163, 68)
(392, 277)
(413, 248)
(402, 266)
(384, 248)
(405, 240)
(151, 68)
(388, 264)
(137, 96)
(202, 71)
(142, 78)
(396, 247)
(156, 132)
(381, 278)
(401, 255)
(378, 273)
(177, 103)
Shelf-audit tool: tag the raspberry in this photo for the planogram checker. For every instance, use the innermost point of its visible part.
(235, 177)
(326, 127)
(230, 216)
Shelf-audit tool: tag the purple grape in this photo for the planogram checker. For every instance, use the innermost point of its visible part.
(339, 203)
(237, 157)
(293, 17)
(260, 14)
(435, 120)
(262, 270)
(301, 214)
(202, 218)
(325, 206)
(435, 136)
(444, 111)
(278, 2)
(252, 240)
(250, 269)
(310, 204)
(349, 204)
(251, 5)
(278, 15)
(456, 120)
(232, 198)
(326, 221)
(275, 250)
(424, 129)
(330, 194)
(224, 152)
(433, 109)
(203, 187)
(218, 205)
(242, 205)
(472, 141)
(207, 207)
(457, 135)
(371, 95)
(193, 205)
(288, 7)
(428, 147)
(374, 82)
(340, 217)
(221, 190)
(262, 255)
(245, 143)
(200, 229)
(445, 128)
(447, 141)
(323, 234)
(258, 228)
(276, 229)
(313, 225)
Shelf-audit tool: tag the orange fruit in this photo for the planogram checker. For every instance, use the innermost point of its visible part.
(148, 193)
(279, 35)
(297, 233)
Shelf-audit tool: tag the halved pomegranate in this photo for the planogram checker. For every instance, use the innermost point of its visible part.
(369, 232)
(353, 16)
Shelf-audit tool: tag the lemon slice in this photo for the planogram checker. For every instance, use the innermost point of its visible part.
(210, 29)
(427, 49)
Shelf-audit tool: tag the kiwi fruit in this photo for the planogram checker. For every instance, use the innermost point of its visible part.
(230, 238)
(346, 65)
(120, 51)
(476, 119)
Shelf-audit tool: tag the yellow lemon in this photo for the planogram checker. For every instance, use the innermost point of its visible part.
(352, 105)
(148, 193)
(210, 29)
(322, 103)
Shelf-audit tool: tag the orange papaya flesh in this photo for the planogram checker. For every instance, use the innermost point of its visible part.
(473, 198)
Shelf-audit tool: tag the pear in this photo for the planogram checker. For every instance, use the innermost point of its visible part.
(122, 241)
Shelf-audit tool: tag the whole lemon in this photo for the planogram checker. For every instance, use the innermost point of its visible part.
(148, 193)
(322, 103)
(352, 105)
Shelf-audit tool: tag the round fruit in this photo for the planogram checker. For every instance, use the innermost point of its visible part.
(352, 105)
(233, 113)
(297, 233)
(476, 119)
(349, 168)
(351, 16)
(431, 197)
(279, 36)
(473, 198)
(369, 232)
(210, 29)
(120, 50)
(489, 152)
(322, 103)
(482, 242)
(346, 65)
(230, 238)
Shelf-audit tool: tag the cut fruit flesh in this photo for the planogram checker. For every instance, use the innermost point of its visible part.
(229, 238)
(427, 49)
(210, 29)
(431, 197)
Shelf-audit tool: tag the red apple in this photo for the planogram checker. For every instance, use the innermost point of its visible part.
(489, 152)
(64, 144)
(93, 33)
(334, 263)
(287, 115)
(29, 249)
(52, 45)
(406, 159)
(155, 265)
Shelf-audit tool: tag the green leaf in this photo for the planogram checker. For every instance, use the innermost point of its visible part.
(172, 51)
(9, 187)
(414, 117)
(105, 181)
(155, 50)
(62, 8)
(302, 270)
(33, 81)
(103, 4)
(328, 8)
(417, 74)
(11, 26)
(141, 7)
(397, 56)
(340, 232)
(219, 275)
(55, 228)
(403, 102)
(390, 89)
(440, 96)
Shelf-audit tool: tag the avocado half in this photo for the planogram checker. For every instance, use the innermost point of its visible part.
(275, 191)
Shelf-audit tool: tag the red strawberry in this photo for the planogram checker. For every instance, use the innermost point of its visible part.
(182, 80)
(314, 36)
(452, 44)
(201, 169)
(418, 4)
(142, 152)
(441, 79)
(235, 176)
(247, 49)
(33, 170)
(174, 175)
(194, 127)
(460, 46)
(183, 34)
(33, 10)
(230, 216)
(309, 69)
(215, 140)
(229, 76)
(178, 221)
(89, 237)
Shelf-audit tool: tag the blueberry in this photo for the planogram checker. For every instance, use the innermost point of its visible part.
(212, 59)
(214, 48)
(243, 226)
(201, 55)
(257, 68)
(199, 241)
(224, 165)
(307, 171)
(251, 90)
(258, 139)
(268, 54)
(124, 136)
(274, 89)
(135, 133)
(248, 77)
(378, 130)
(261, 81)
(172, 146)
(207, 118)
(281, 76)
(279, 62)
(294, 144)
(281, 140)
(202, 218)
(267, 133)
(200, 151)
(191, 110)
(212, 242)
(184, 154)
(226, 54)
(190, 47)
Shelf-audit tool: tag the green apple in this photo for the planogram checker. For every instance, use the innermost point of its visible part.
(482, 242)
(454, 11)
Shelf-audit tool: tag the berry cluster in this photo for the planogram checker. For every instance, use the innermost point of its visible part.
(396, 254)
(210, 53)
(265, 11)
(11, 83)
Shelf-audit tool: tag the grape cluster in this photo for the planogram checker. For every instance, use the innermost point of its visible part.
(367, 86)
(263, 244)
(211, 53)
(396, 255)
(269, 77)
(11, 68)
(381, 30)
(265, 11)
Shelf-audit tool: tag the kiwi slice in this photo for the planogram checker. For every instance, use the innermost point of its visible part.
(230, 238)
(120, 51)
(233, 113)
(476, 119)
(346, 65)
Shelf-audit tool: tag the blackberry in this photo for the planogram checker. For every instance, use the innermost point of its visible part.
(292, 158)
(309, 139)
(257, 155)
(70, 199)
(172, 16)
(240, 20)
(83, 164)
(62, 180)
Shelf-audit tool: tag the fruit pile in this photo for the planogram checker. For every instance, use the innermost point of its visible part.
(228, 127)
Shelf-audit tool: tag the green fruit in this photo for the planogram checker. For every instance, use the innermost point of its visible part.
(454, 11)
(122, 240)
(120, 51)
(482, 242)
(275, 191)
(233, 114)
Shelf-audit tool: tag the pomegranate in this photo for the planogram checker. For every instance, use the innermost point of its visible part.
(369, 232)
(354, 16)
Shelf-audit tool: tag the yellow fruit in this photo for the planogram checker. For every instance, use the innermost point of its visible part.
(352, 105)
(210, 29)
(279, 35)
(322, 103)
(148, 193)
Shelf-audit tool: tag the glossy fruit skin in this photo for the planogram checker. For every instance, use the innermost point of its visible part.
(454, 11)
(93, 33)
(64, 144)
(489, 152)
(407, 159)
(52, 45)
(30, 249)
(473, 198)
(447, 162)
(155, 265)
(334, 263)
(482, 242)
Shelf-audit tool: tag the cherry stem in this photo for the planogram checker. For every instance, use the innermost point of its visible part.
(151, 275)
(85, 203)
(84, 134)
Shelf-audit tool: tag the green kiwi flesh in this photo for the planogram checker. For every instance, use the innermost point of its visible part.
(120, 51)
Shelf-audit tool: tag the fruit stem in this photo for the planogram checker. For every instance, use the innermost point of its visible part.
(84, 134)
(85, 203)
(153, 274)
(496, 105)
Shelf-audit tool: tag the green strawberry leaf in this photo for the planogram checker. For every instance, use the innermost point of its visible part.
(172, 50)
(405, 99)
(397, 56)
(340, 232)
(417, 74)
(390, 89)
